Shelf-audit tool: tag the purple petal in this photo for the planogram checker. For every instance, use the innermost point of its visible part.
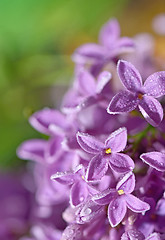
(109, 33)
(89, 143)
(151, 109)
(121, 163)
(53, 149)
(103, 80)
(64, 177)
(86, 83)
(127, 183)
(155, 84)
(105, 197)
(132, 234)
(79, 193)
(122, 102)
(117, 140)
(72, 232)
(154, 236)
(32, 150)
(86, 102)
(124, 44)
(135, 204)
(88, 52)
(155, 160)
(160, 207)
(129, 76)
(70, 102)
(41, 120)
(89, 211)
(97, 168)
(116, 211)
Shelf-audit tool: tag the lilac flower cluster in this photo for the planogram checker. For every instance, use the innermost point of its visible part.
(104, 160)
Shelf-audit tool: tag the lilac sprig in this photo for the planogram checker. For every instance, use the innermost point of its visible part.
(84, 178)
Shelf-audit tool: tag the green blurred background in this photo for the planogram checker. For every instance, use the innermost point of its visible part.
(37, 38)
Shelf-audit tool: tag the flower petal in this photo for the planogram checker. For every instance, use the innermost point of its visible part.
(33, 149)
(41, 120)
(86, 102)
(63, 177)
(127, 183)
(86, 83)
(97, 168)
(116, 211)
(105, 197)
(89, 143)
(154, 236)
(155, 160)
(89, 211)
(117, 140)
(89, 52)
(155, 84)
(122, 102)
(129, 76)
(102, 81)
(121, 163)
(160, 207)
(78, 193)
(123, 45)
(135, 204)
(53, 149)
(152, 110)
(109, 33)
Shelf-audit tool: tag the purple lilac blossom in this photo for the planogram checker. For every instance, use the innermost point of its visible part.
(106, 153)
(139, 95)
(80, 189)
(87, 91)
(120, 199)
(110, 46)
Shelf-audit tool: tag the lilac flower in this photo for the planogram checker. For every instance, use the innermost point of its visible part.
(80, 189)
(87, 91)
(139, 95)
(155, 160)
(51, 122)
(121, 198)
(106, 153)
(110, 45)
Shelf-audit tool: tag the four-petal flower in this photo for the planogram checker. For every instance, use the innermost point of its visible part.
(106, 153)
(139, 95)
(121, 198)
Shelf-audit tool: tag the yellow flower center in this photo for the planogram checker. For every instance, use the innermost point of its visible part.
(108, 151)
(120, 192)
(83, 177)
(140, 96)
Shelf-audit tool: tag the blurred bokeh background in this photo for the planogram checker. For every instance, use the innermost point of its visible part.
(37, 38)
